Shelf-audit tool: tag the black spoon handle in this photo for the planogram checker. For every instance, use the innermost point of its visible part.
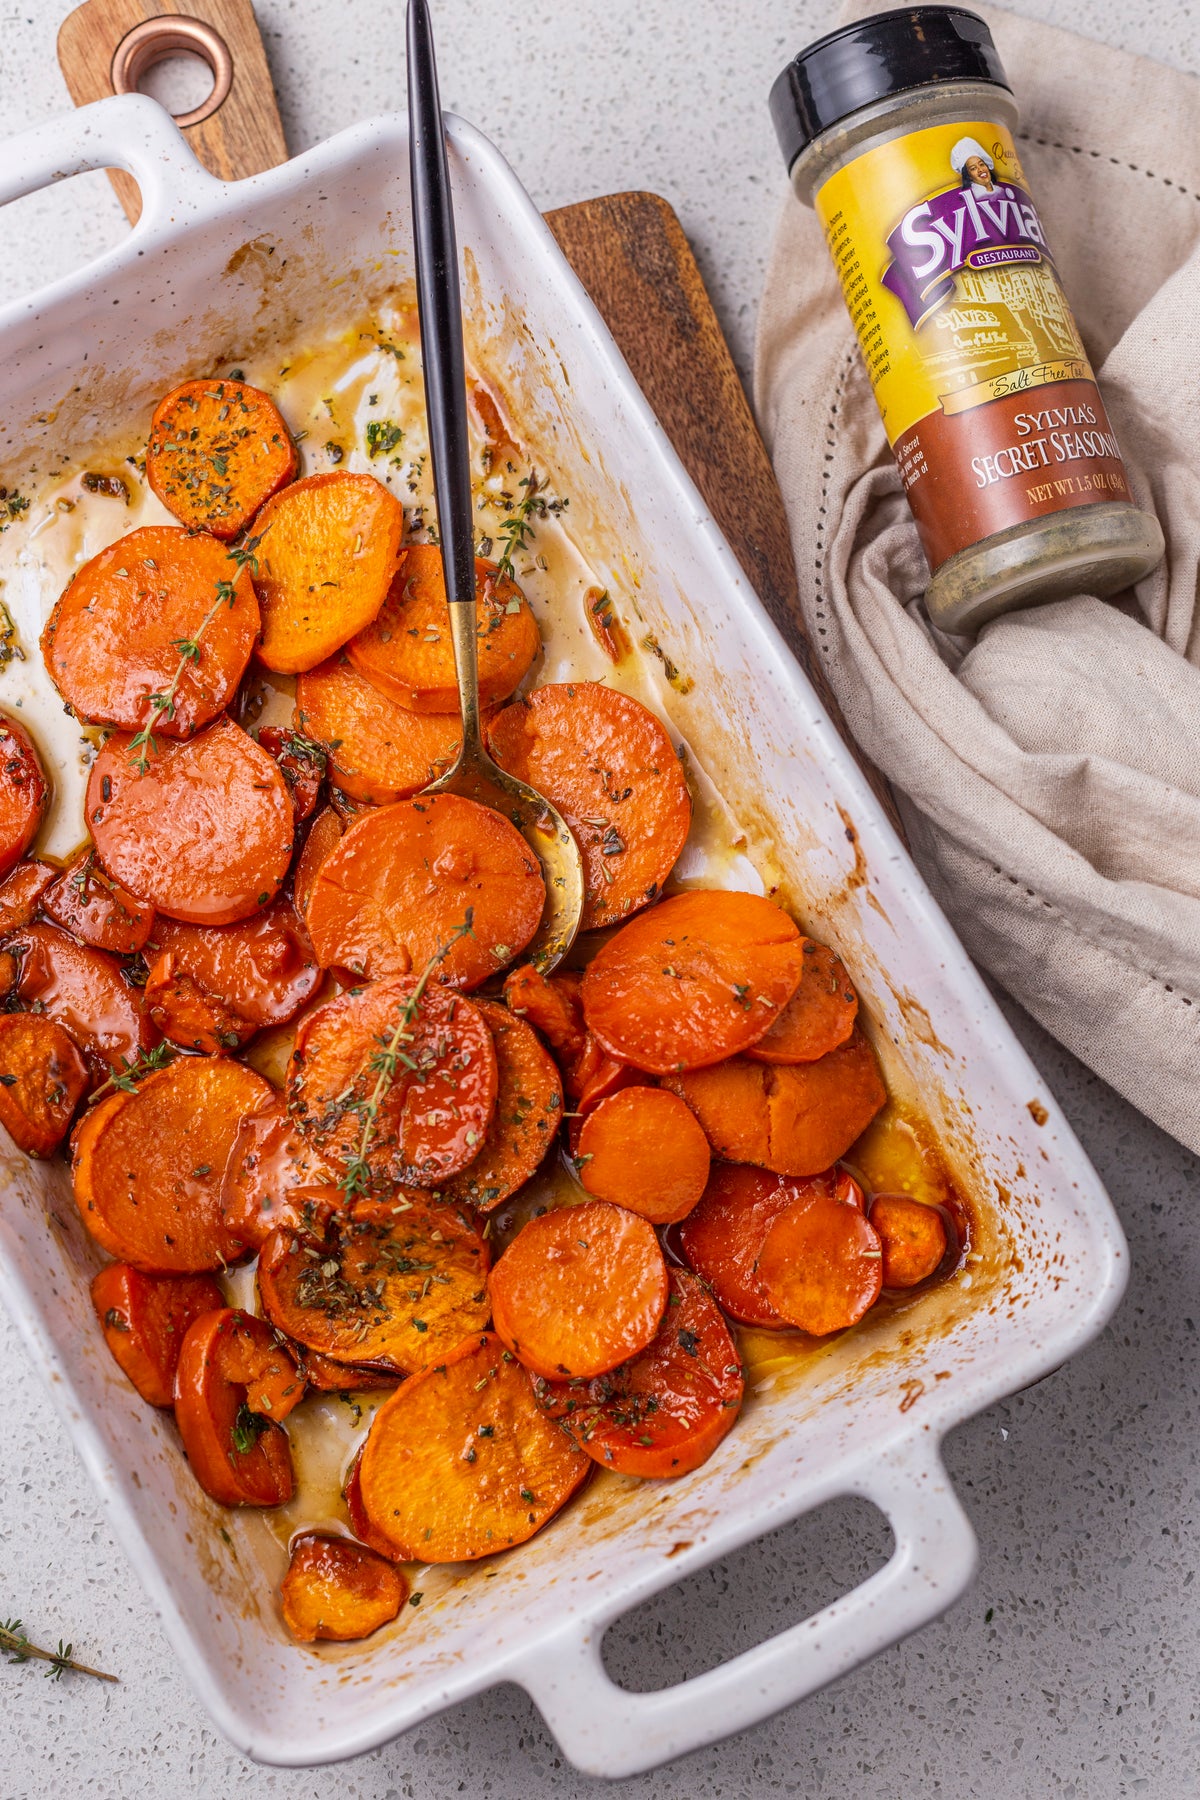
(440, 308)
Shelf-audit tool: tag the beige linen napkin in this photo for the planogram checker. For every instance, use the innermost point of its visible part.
(1049, 775)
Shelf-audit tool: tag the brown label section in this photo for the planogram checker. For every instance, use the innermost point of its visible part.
(969, 474)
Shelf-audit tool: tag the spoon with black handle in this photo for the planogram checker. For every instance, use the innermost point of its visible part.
(474, 775)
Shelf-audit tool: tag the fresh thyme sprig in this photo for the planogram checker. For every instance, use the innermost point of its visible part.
(162, 705)
(383, 1065)
(517, 530)
(17, 1648)
(127, 1077)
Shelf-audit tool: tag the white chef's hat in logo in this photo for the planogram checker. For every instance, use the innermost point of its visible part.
(966, 148)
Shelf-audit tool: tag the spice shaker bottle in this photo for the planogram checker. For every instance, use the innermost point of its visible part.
(899, 131)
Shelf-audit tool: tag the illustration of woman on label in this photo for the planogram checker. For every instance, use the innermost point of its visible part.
(971, 161)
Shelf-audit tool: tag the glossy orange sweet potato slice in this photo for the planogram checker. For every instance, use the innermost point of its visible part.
(302, 763)
(579, 1290)
(238, 1453)
(218, 449)
(642, 1149)
(399, 1293)
(338, 1590)
(819, 1016)
(121, 637)
(820, 1264)
(85, 990)
(723, 1234)
(434, 1114)
(794, 1118)
(145, 1319)
(360, 1524)
(379, 751)
(24, 792)
(912, 1236)
(553, 1006)
(272, 1179)
(461, 1462)
(89, 904)
(21, 894)
(407, 652)
(608, 765)
(325, 1376)
(187, 1015)
(324, 836)
(263, 968)
(694, 980)
(405, 877)
(595, 1076)
(665, 1412)
(147, 1166)
(43, 1077)
(529, 1110)
(204, 835)
(327, 553)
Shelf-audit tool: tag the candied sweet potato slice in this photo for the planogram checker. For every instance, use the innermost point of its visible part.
(218, 449)
(302, 763)
(161, 613)
(552, 1005)
(21, 894)
(85, 990)
(145, 1319)
(643, 1149)
(147, 1166)
(723, 1234)
(327, 553)
(433, 1114)
(529, 1110)
(24, 792)
(407, 652)
(272, 1179)
(88, 903)
(379, 751)
(338, 1590)
(819, 1016)
(608, 765)
(360, 1524)
(238, 1453)
(204, 834)
(404, 877)
(43, 1077)
(325, 1376)
(579, 1290)
(461, 1462)
(794, 1118)
(665, 1412)
(912, 1236)
(820, 1264)
(262, 968)
(399, 1292)
(324, 836)
(187, 1014)
(694, 980)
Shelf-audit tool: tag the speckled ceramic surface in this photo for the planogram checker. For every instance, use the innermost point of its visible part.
(1071, 1669)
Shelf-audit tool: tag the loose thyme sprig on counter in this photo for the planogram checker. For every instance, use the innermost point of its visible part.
(383, 1065)
(17, 1648)
(162, 705)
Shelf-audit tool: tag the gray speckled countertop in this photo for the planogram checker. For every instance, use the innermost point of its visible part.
(1072, 1668)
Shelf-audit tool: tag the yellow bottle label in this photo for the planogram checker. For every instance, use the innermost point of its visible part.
(984, 385)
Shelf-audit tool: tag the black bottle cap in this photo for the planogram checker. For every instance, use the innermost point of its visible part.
(886, 54)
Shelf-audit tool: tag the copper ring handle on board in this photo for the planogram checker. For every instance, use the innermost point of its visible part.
(168, 35)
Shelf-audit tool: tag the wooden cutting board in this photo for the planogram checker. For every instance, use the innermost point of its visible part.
(631, 254)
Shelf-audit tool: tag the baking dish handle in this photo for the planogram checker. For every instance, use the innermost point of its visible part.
(129, 131)
(607, 1730)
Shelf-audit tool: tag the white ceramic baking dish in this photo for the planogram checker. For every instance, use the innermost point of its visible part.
(862, 1416)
